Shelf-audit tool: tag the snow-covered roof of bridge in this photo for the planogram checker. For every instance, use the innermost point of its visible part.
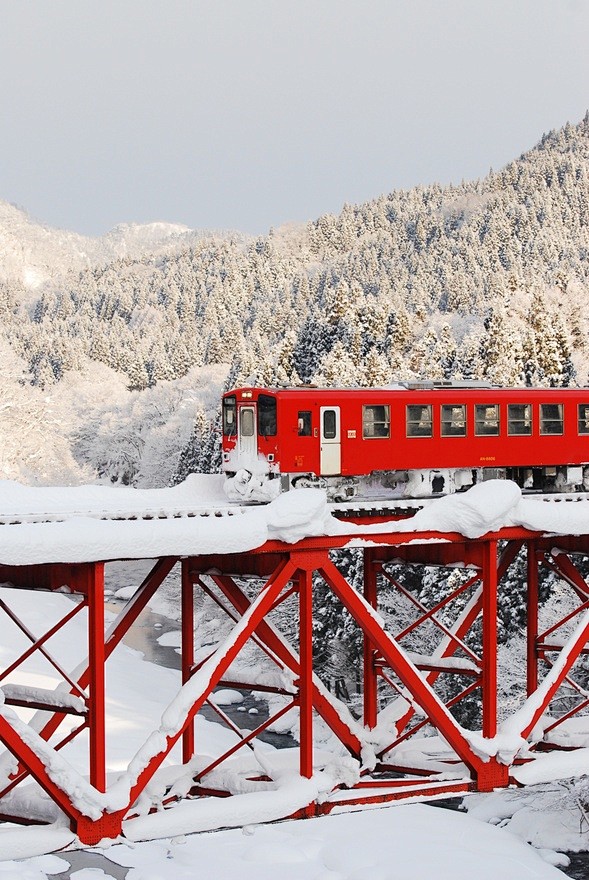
(93, 523)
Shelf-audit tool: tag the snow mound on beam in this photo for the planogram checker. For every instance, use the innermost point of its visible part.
(302, 513)
(559, 517)
(486, 507)
(82, 539)
(25, 843)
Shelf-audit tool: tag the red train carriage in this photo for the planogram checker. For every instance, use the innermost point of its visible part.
(403, 441)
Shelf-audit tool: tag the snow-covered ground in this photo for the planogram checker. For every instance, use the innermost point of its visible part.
(413, 841)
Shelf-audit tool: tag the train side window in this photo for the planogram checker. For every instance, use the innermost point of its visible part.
(453, 420)
(376, 422)
(583, 422)
(230, 416)
(266, 415)
(486, 419)
(551, 418)
(519, 418)
(304, 423)
(419, 420)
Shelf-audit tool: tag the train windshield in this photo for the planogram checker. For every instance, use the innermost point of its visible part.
(230, 416)
(266, 415)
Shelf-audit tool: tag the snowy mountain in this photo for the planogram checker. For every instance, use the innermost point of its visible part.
(484, 280)
(33, 253)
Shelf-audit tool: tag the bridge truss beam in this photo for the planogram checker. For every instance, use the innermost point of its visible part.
(415, 669)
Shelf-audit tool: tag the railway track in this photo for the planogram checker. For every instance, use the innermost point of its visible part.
(394, 508)
(408, 507)
(217, 511)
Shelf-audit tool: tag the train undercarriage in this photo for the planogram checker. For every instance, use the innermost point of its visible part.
(384, 485)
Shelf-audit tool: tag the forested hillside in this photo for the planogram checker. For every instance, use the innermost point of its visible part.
(486, 279)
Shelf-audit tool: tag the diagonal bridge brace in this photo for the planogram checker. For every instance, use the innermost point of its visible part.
(526, 718)
(198, 688)
(450, 641)
(335, 714)
(562, 565)
(488, 773)
(84, 576)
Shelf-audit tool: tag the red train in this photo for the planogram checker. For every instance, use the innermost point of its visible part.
(411, 440)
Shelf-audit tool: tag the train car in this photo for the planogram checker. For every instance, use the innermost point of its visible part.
(412, 441)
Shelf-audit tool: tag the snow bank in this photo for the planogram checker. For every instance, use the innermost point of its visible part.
(406, 842)
(546, 816)
(552, 767)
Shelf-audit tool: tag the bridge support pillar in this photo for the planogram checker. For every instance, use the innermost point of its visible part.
(369, 651)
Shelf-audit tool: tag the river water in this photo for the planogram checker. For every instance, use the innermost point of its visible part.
(145, 635)
(579, 866)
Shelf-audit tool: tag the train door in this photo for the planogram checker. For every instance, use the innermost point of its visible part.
(248, 442)
(331, 444)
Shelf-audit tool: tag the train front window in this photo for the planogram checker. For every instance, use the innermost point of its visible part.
(453, 420)
(246, 421)
(519, 419)
(376, 422)
(266, 415)
(230, 416)
(486, 419)
(551, 420)
(419, 420)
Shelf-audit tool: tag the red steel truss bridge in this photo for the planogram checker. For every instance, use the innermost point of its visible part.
(410, 677)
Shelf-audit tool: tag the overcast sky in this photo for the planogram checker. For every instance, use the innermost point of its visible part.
(247, 114)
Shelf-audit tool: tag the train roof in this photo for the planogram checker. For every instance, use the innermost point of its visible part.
(468, 387)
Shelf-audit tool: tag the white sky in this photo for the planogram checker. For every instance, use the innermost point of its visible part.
(247, 114)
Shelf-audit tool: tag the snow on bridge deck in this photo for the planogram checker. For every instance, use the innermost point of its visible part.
(95, 523)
